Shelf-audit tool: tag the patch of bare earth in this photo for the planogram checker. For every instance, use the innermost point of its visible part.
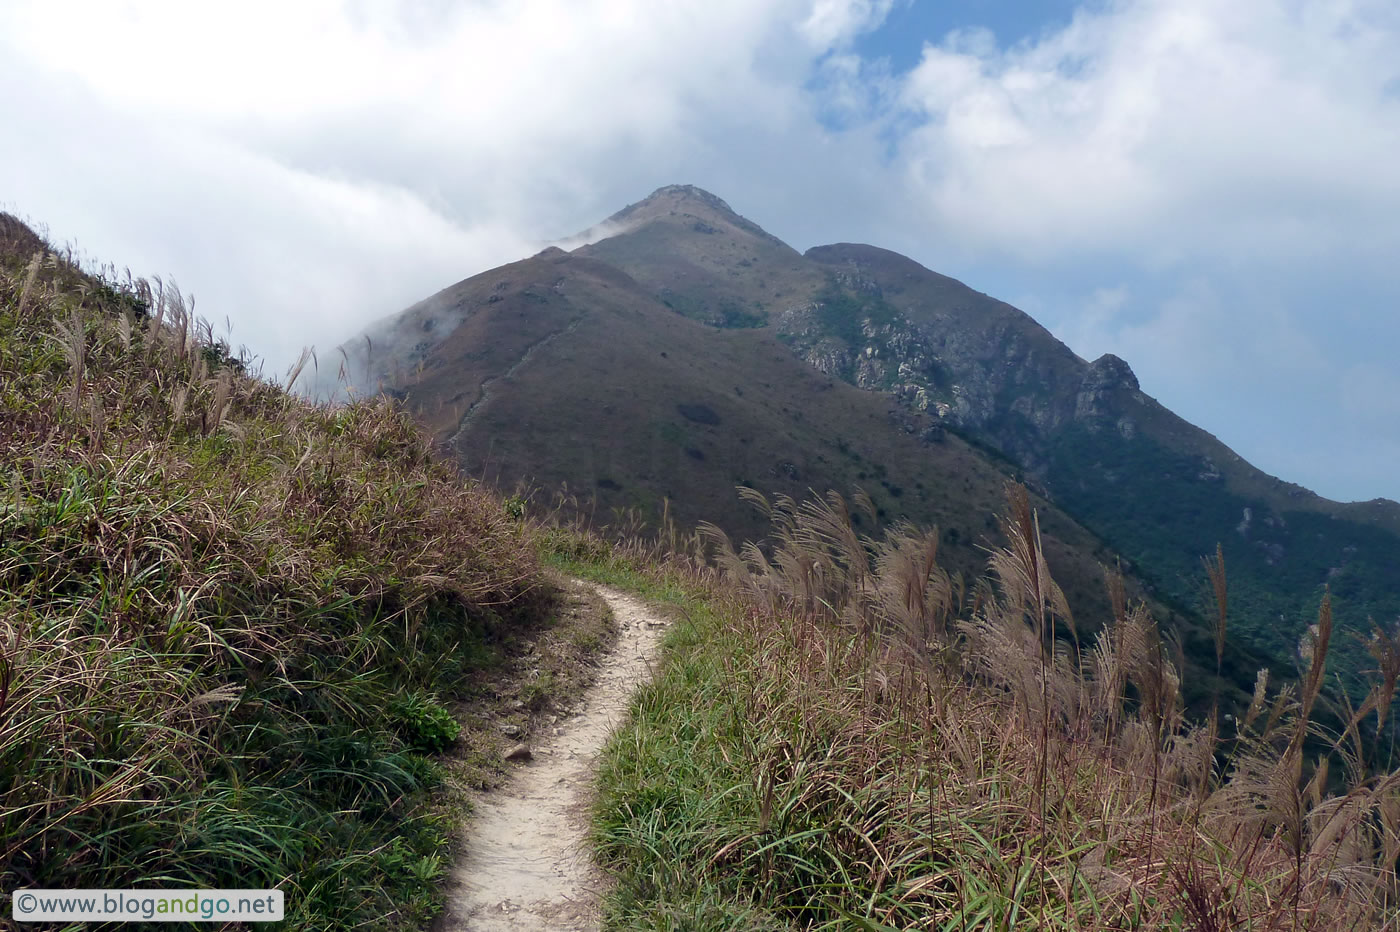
(526, 863)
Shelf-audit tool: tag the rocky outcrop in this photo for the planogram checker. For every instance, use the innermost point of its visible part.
(1108, 383)
(880, 352)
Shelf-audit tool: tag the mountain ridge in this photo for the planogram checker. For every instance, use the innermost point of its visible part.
(939, 358)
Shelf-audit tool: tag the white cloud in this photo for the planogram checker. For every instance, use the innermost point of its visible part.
(1171, 128)
(308, 167)
(833, 22)
(288, 255)
(1205, 188)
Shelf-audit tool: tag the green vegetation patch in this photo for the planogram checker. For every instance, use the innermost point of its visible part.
(753, 789)
(842, 313)
(1154, 507)
(733, 316)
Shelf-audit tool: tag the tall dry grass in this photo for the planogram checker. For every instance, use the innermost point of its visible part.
(226, 615)
(857, 739)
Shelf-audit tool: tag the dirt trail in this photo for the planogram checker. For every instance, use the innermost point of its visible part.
(527, 864)
(489, 383)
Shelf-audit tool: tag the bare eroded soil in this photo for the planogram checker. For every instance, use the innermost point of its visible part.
(526, 864)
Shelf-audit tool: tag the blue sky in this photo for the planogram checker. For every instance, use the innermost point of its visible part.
(1206, 189)
(908, 25)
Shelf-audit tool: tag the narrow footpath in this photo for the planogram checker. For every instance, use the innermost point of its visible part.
(527, 865)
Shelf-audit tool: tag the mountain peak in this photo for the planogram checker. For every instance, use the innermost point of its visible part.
(686, 210)
(1111, 371)
(689, 192)
(672, 199)
(699, 258)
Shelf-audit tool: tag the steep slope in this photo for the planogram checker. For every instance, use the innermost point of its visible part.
(1001, 373)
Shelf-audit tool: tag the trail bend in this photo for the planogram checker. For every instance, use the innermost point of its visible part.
(527, 864)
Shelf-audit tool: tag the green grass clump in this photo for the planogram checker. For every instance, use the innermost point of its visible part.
(424, 723)
(223, 612)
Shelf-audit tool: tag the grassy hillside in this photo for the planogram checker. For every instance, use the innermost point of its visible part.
(840, 739)
(231, 622)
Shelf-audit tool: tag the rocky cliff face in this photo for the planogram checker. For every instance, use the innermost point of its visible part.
(1109, 389)
(886, 353)
(974, 361)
